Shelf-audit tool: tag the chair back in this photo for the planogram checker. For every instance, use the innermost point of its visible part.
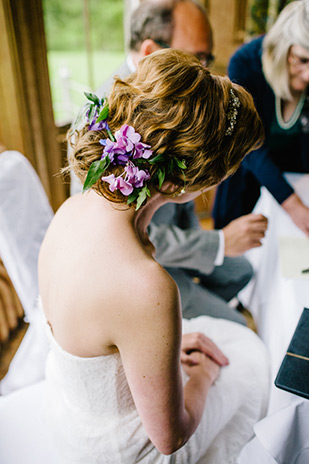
(25, 214)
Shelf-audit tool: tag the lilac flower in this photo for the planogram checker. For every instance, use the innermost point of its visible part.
(127, 144)
(127, 137)
(108, 149)
(117, 155)
(141, 151)
(117, 151)
(118, 183)
(136, 177)
(96, 126)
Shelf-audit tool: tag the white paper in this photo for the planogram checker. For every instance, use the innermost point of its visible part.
(294, 256)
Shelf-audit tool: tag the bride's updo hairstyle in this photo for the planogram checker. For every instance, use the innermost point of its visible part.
(181, 111)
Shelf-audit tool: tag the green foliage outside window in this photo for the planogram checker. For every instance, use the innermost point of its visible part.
(262, 14)
(64, 24)
(81, 53)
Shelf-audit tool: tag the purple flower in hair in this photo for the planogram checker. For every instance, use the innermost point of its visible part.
(127, 137)
(121, 149)
(97, 126)
(108, 149)
(136, 177)
(141, 151)
(127, 144)
(118, 183)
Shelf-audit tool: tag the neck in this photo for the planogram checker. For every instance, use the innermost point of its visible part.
(296, 94)
(134, 58)
(140, 219)
(144, 215)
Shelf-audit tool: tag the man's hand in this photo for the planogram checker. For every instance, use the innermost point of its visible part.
(298, 211)
(244, 233)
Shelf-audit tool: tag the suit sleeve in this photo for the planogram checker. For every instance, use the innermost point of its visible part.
(186, 248)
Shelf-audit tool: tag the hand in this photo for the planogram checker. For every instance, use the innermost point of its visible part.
(298, 212)
(244, 233)
(195, 343)
(199, 364)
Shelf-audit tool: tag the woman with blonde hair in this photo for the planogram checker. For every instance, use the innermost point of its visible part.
(275, 69)
(125, 385)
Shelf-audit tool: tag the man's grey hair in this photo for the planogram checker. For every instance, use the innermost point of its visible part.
(154, 20)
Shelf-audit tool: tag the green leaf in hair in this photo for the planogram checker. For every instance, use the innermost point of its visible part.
(92, 97)
(161, 176)
(142, 195)
(181, 164)
(95, 172)
(104, 114)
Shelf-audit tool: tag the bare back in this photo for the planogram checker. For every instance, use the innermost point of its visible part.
(93, 267)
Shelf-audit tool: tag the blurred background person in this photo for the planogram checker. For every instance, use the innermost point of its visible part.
(275, 69)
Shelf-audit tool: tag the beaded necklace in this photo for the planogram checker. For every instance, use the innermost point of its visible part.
(293, 119)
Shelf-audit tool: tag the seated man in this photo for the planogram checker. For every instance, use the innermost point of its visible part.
(204, 264)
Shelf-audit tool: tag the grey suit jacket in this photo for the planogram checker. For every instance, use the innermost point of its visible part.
(174, 229)
(179, 240)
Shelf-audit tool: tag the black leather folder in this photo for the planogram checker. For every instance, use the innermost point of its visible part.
(293, 375)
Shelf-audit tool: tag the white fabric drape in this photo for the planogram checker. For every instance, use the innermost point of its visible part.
(25, 214)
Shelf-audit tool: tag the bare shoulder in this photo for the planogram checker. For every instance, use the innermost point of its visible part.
(149, 302)
(152, 289)
(155, 280)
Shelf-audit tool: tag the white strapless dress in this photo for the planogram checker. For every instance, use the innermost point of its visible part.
(93, 418)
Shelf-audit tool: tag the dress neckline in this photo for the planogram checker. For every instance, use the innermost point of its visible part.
(295, 116)
(66, 353)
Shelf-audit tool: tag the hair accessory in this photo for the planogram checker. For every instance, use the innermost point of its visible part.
(97, 113)
(125, 149)
(232, 112)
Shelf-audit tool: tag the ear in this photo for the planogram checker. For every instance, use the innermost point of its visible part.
(169, 187)
(148, 46)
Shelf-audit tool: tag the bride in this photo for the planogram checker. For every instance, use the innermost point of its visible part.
(128, 380)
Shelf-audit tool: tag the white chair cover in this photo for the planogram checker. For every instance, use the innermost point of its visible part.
(25, 214)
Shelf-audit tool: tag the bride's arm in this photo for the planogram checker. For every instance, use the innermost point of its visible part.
(148, 336)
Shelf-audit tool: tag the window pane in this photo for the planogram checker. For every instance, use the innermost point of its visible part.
(85, 42)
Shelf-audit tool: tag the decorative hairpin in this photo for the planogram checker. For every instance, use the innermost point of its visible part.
(232, 112)
(125, 149)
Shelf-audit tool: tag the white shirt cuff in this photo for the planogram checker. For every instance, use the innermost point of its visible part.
(221, 248)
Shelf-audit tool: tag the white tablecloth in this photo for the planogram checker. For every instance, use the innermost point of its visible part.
(277, 301)
(281, 438)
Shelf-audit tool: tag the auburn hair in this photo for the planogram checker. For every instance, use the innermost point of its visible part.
(180, 109)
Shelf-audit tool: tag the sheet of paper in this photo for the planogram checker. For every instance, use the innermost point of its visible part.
(300, 184)
(294, 256)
